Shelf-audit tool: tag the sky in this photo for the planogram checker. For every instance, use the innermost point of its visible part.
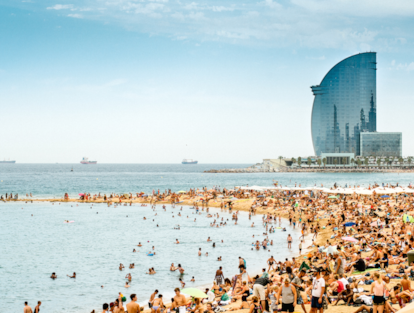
(156, 81)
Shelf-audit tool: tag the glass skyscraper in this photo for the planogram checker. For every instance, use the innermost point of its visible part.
(345, 105)
(381, 144)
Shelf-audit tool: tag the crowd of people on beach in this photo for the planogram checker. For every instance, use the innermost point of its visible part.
(358, 255)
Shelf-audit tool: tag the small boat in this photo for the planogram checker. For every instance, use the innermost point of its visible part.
(189, 161)
(7, 161)
(71, 169)
(86, 161)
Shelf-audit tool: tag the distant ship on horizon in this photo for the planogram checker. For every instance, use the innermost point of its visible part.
(189, 161)
(7, 161)
(86, 161)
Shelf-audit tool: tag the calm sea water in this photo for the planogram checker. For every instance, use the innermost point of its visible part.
(53, 180)
(100, 238)
(32, 247)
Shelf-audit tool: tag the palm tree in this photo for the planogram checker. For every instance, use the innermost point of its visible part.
(387, 161)
(335, 162)
(409, 160)
(293, 161)
(309, 161)
(352, 161)
(324, 162)
(344, 161)
(366, 161)
(379, 162)
(359, 162)
(319, 161)
(300, 161)
(401, 160)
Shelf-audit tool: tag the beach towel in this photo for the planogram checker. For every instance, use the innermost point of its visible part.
(368, 270)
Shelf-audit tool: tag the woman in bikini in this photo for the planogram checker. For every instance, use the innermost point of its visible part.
(157, 305)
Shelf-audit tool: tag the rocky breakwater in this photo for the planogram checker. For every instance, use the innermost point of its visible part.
(241, 170)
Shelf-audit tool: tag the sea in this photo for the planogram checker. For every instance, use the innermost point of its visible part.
(35, 241)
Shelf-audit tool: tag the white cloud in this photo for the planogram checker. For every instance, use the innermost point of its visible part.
(402, 66)
(221, 9)
(359, 8)
(296, 23)
(316, 58)
(75, 15)
(61, 7)
(272, 4)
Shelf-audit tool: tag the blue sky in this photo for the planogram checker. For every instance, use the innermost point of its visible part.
(156, 81)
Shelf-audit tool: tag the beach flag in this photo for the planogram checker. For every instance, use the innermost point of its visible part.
(304, 265)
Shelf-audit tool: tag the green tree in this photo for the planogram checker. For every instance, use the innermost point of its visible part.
(293, 161)
(387, 161)
(379, 162)
(344, 161)
(409, 160)
(359, 162)
(300, 161)
(324, 162)
(319, 161)
(335, 161)
(309, 161)
(401, 161)
(366, 161)
(352, 162)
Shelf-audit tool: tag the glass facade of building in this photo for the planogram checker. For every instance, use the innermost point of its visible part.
(345, 105)
(381, 144)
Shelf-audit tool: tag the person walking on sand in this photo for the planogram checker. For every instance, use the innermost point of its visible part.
(289, 240)
(318, 290)
(289, 296)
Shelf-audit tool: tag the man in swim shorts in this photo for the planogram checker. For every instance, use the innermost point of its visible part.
(151, 299)
(180, 301)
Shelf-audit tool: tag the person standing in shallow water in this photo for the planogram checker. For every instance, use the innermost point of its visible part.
(289, 240)
(37, 307)
(27, 308)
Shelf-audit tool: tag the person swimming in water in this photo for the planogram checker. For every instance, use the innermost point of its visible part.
(73, 276)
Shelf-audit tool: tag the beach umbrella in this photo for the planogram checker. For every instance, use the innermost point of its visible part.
(181, 191)
(349, 224)
(350, 239)
(385, 196)
(260, 196)
(375, 224)
(304, 265)
(333, 197)
(126, 195)
(331, 250)
(81, 194)
(193, 292)
(220, 196)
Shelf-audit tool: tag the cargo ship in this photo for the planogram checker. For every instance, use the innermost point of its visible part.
(86, 161)
(189, 161)
(7, 161)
